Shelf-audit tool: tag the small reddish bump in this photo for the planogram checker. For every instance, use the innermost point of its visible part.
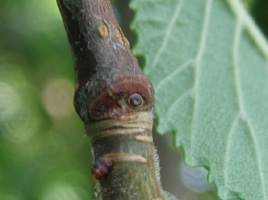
(101, 168)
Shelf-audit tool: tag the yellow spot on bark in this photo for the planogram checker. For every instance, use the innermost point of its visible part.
(103, 29)
(120, 35)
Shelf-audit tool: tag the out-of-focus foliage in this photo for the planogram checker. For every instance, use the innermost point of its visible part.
(43, 152)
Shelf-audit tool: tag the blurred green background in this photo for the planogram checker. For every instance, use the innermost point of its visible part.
(44, 153)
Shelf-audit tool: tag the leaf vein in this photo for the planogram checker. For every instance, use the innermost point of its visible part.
(173, 74)
(253, 30)
(200, 51)
(237, 36)
(168, 32)
(187, 92)
(228, 148)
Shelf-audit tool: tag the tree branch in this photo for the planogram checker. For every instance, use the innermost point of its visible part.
(115, 100)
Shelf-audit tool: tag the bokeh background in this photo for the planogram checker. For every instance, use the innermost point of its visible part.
(44, 153)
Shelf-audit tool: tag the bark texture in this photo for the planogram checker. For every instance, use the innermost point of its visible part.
(115, 100)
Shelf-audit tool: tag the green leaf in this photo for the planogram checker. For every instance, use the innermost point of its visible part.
(208, 63)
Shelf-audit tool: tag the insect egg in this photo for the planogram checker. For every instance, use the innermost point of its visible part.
(135, 100)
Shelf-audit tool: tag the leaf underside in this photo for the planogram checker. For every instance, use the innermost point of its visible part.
(208, 64)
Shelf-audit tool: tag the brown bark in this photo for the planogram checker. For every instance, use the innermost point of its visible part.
(115, 100)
